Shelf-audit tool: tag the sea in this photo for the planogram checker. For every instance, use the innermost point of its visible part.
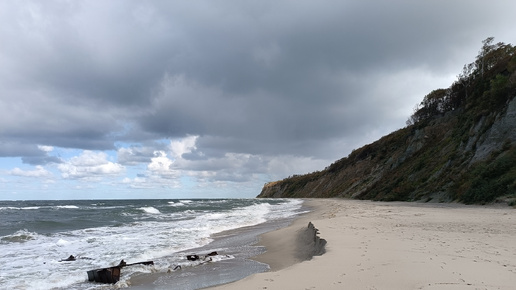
(36, 238)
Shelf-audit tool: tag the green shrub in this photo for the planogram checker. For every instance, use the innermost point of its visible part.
(489, 181)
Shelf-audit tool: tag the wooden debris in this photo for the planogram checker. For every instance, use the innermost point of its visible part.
(197, 257)
(111, 275)
(71, 258)
(192, 257)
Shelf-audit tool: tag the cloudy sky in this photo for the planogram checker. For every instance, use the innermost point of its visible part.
(184, 99)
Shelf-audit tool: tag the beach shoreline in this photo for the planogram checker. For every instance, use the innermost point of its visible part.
(235, 248)
(285, 246)
(395, 245)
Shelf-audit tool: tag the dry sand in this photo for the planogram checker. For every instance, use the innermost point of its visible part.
(376, 245)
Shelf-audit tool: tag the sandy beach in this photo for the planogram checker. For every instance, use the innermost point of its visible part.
(376, 245)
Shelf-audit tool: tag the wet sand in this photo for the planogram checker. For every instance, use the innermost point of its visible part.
(238, 243)
(376, 245)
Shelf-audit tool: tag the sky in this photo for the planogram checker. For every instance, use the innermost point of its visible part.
(212, 99)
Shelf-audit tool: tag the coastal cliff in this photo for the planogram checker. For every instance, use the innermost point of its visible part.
(459, 145)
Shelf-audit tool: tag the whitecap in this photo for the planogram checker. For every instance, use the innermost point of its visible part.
(20, 236)
(67, 206)
(216, 216)
(18, 208)
(219, 258)
(150, 210)
(62, 242)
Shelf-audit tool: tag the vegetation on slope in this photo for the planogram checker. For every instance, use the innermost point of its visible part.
(459, 145)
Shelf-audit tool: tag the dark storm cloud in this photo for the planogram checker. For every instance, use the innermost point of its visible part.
(32, 154)
(41, 160)
(262, 77)
(12, 149)
(139, 154)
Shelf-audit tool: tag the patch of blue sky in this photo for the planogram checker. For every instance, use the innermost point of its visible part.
(9, 163)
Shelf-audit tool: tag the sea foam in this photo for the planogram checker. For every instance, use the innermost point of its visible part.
(150, 209)
(130, 230)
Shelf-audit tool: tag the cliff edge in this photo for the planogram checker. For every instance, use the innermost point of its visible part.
(460, 145)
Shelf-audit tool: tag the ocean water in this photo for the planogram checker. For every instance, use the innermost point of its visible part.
(36, 235)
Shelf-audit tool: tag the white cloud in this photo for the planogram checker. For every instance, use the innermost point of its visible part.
(38, 172)
(138, 183)
(151, 182)
(185, 145)
(161, 166)
(89, 165)
(45, 148)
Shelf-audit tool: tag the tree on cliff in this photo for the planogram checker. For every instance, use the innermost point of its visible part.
(487, 78)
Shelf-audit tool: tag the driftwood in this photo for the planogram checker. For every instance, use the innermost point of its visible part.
(111, 275)
(73, 258)
(196, 257)
(69, 259)
(192, 257)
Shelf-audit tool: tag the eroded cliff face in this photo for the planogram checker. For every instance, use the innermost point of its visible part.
(434, 161)
(461, 145)
(502, 131)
